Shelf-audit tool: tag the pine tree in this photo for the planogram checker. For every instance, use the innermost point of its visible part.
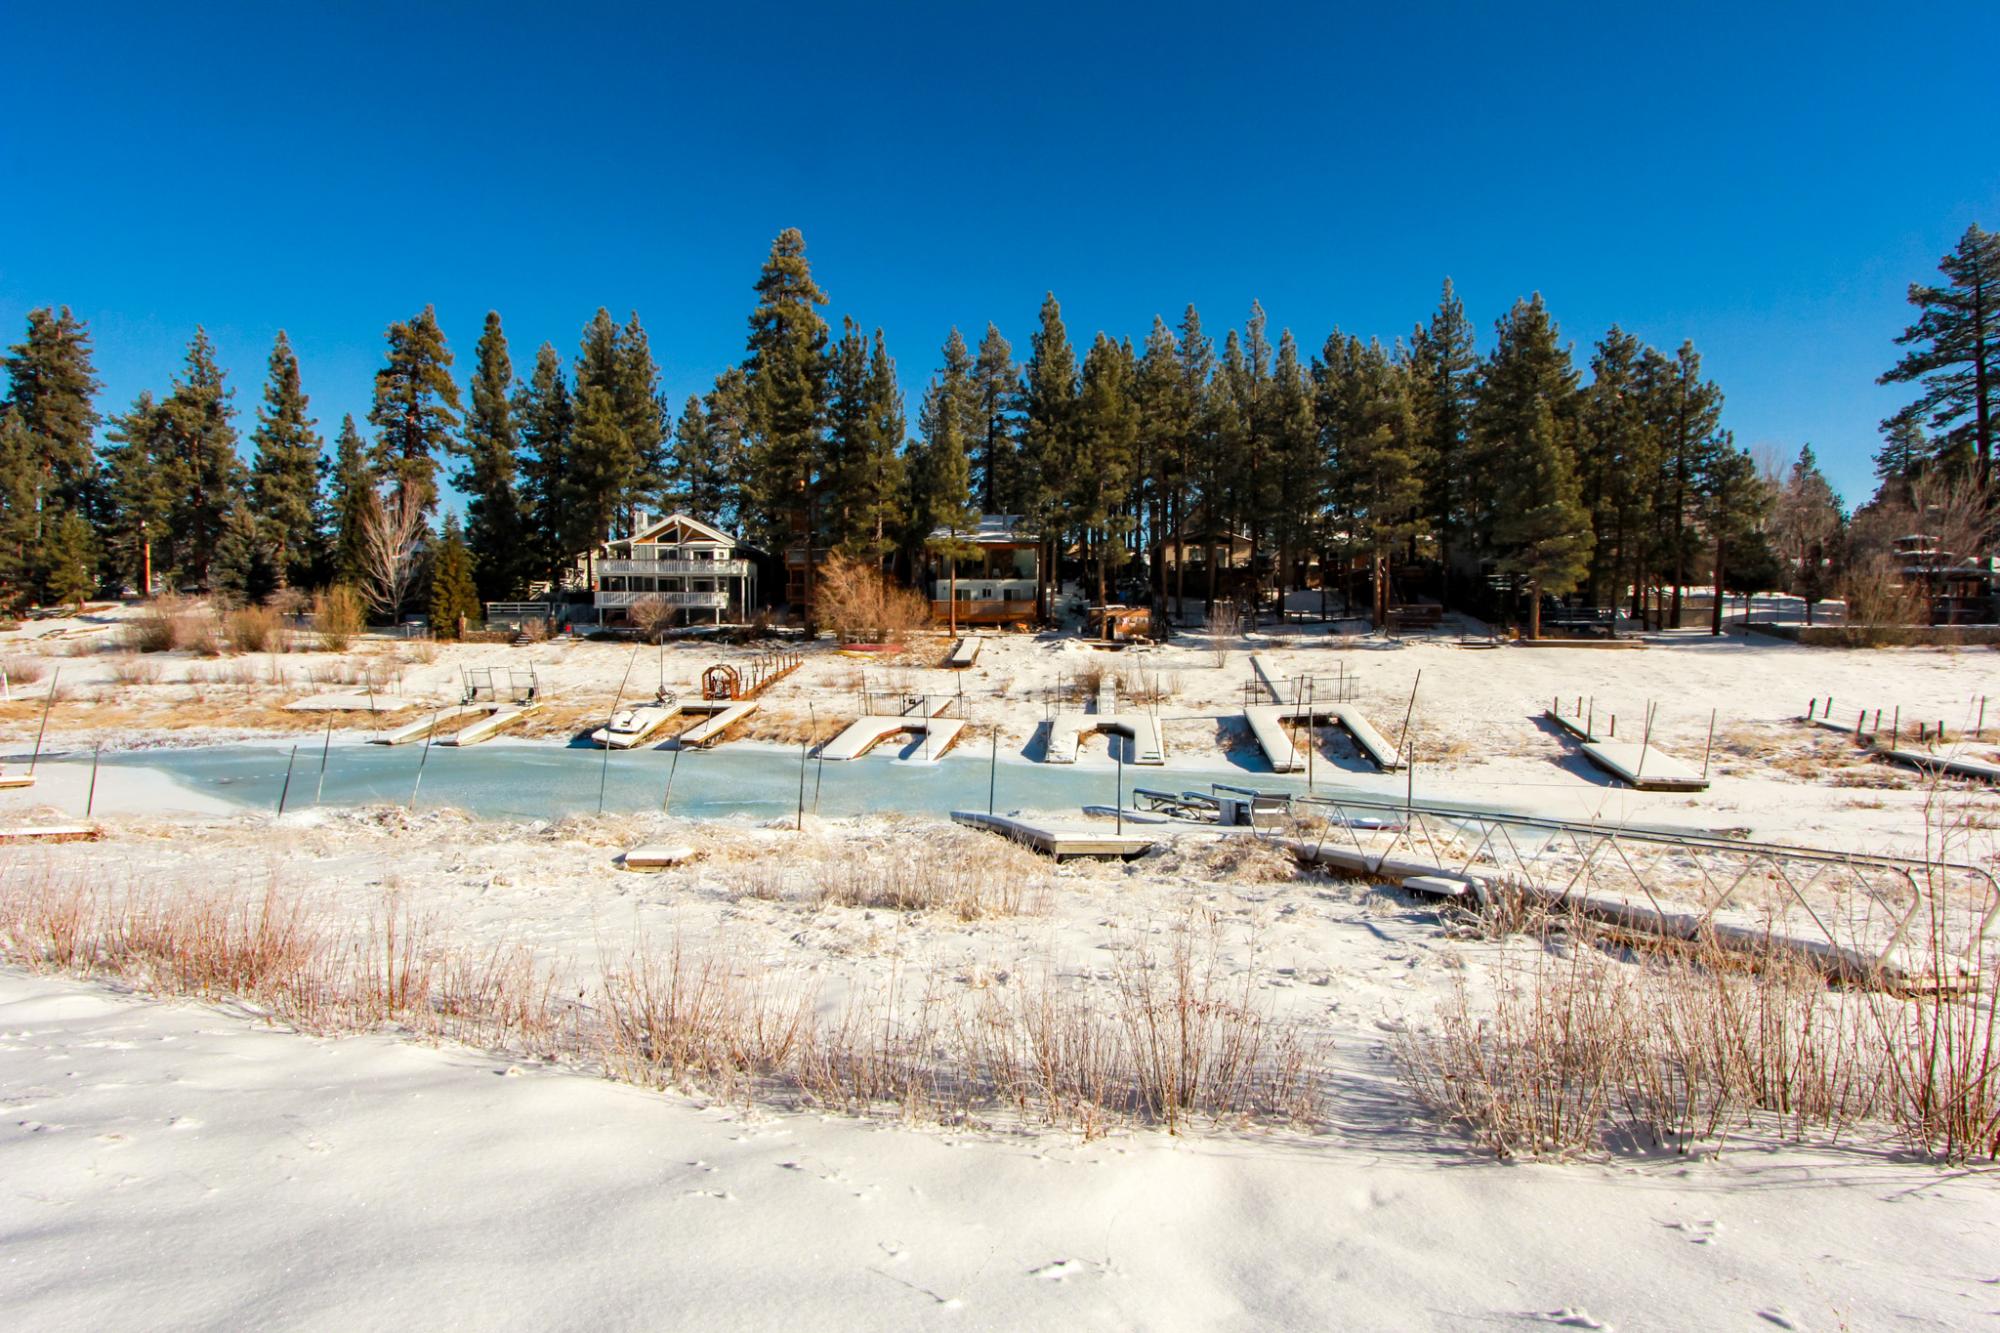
(1684, 413)
(1157, 397)
(354, 501)
(1254, 479)
(1734, 502)
(201, 471)
(1048, 437)
(1190, 431)
(543, 411)
(996, 390)
(285, 473)
(1300, 474)
(415, 411)
(1444, 363)
(1807, 522)
(137, 501)
(882, 487)
(690, 464)
(1616, 463)
(454, 602)
(727, 408)
(493, 528)
(1955, 348)
(68, 559)
(941, 481)
(52, 388)
(244, 569)
(849, 446)
(643, 411)
(1542, 527)
(785, 375)
(1906, 451)
(1107, 438)
(20, 481)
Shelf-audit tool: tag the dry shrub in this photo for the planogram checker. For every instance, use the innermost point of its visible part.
(967, 875)
(424, 651)
(338, 616)
(1176, 1042)
(171, 624)
(1580, 1052)
(23, 670)
(135, 670)
(859, 602)
(256, 629)
(1878, 599)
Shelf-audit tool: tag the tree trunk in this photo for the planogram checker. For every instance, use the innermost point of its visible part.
(1715, 620)
(1534, 608)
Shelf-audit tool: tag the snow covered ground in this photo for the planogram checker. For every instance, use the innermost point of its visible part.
(173, 1166)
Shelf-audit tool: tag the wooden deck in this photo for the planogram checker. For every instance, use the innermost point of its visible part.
(424, 726)
(1639, 766)
(51, 833)
(643, 721)
(1057, 841)
(1067, 730)
(963, 654)
(722, 719)
(486, 728)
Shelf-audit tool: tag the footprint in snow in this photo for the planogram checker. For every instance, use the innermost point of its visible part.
(1699, 1231)
(724, 1195)
(1573, 1317)
(1058, 1271)
(1781, 1317)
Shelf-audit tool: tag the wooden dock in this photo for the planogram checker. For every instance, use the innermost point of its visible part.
(657, 856)
(486, 728)
(963, 654)
(1949, 765)
(1268, 723)
(11, 780)
(722, 719)
(51, 833)
(1639, 766)
(1058, 842)
(424, 726)
(921, 718)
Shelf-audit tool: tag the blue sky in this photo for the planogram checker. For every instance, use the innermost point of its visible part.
(1765, 184)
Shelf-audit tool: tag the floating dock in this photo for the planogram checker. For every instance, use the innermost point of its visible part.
(1056, 841)
(1067, 730)
(424, 726)
(630, 726)
(963, 654)
(486, 728)
(10, 780)
(51, 833)
(1949, 765)
(1637, 765)
(723, 718)
(657, 856)
(1268, 723)
(921, 718)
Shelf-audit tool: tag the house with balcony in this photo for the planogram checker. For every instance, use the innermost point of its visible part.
(996, 577)
(697, 571)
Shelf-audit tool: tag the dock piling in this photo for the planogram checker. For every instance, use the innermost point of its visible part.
(90, 801)
(283, 792)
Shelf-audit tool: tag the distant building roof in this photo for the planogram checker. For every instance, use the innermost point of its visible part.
(993, 529)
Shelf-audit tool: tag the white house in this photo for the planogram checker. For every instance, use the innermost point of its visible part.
(690, 566)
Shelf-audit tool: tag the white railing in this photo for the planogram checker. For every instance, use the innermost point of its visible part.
(702, 600)
(675, 568)
(983, 590)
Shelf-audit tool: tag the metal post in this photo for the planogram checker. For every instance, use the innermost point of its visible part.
(1896, 728)
(604, 769)
(1118, 795)
(1645, 740)
(819, 769)
(425, 759)
(90, 801)
(42, 730)
(325, 746)
(283, 791)
(672, 769)
(804, 750)
(1708, 747)
(993, 769)
(1410, 711)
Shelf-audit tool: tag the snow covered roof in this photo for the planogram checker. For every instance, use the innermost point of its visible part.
(993, 529)
(679, 527)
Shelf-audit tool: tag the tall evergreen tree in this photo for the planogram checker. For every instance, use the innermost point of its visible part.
(203, 474)
(1107, 440)
(1157, 399)
(941, 482)
(1617, 463)
(285, 472)
(415, 411)
(20, 514)
(996, 390)
(543, 412)
(1542, 528)
(1734, 503)
(1807, 523)
(727, 408)
(1684, 414)
(493, 528)
(643, 412)
(1444, 363)
(244, 569)
(1190, 433)
(68, 559)
(137, 500)
(786, 379)
(865, 417)
(354, 502)
(1300, 473)
(1955, 348)
(1048, 436)
(454, 599)
(52, 387)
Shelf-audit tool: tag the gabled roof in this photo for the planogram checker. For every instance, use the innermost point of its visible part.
(690, 529)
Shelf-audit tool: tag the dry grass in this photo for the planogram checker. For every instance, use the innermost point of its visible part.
(1580, 1051)
(962, 874)
(173, 624)
(23, 670)
(132, 669)
(256, 629)
(1178, 1041)
(338, 616)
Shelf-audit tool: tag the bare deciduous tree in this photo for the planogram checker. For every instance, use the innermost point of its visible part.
(648, 614)
(392, 549)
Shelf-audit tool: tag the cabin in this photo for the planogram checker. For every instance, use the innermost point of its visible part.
(696, 571)
(1959, 591)
(996, 577)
